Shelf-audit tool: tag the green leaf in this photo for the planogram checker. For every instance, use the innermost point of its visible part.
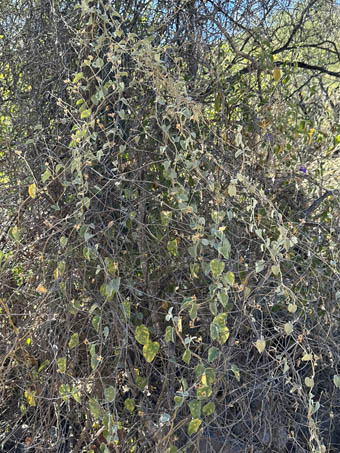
(230, 278)
(276, 270)
(288, 328)
(112, 286)
(95, 409)
(178, 400)
(46, 175)
(141, 382)
(169, 334)
(96, 322)
(166, 217)
(213, 354)
(203, 392)
(172, 247)
(218, 103)
(259, 266)
(292, 308)
(223, 297)
(150, 350)
(218, 216)
(208, 409)
(193, 311)
(74, 341)
(187, 356)
(336, 380)
(193, 251)
(220, 319)
(213, 307)
(77, 77)
(130, 404)
(142, 334)
(214, 331)
(194, 426)
(199, 370)
(236, 372)
(210, 376)
(225, 248)
(85, 114)
(172, 449)
(62, 364)
(43, 365)
(76, 395)
(110, 394)
(223, 335)
(63, 241)
(195, 408)
(217, 267)
(64, 390)
(232, 190)
(14, 233)
(127, 308)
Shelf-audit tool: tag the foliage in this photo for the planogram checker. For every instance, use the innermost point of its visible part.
(170, 249)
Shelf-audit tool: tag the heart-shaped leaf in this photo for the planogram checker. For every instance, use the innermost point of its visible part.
(216, 267)
(110, 394)
(130, 404)
(195, 408)
(213, 354)
(208, 409)
(336, 380)
(142, 334)
(194, 425)
(309, 382)
(260, 345)
(150, 350)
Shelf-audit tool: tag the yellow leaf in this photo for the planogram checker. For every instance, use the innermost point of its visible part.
(41, 289)
(277, 74)
(260, 345)
(32, 190)
(311, 133)
(30, 397)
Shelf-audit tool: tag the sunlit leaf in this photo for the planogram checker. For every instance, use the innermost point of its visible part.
(217, 267)
(309, 382)
(172, 247)
(30, 397)
(61, 364)
(260, 345)
(150, 350)
(336, 380)
(194, 426)
(74, 341)
(276, 74)
(142, 334)
(32, 190)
